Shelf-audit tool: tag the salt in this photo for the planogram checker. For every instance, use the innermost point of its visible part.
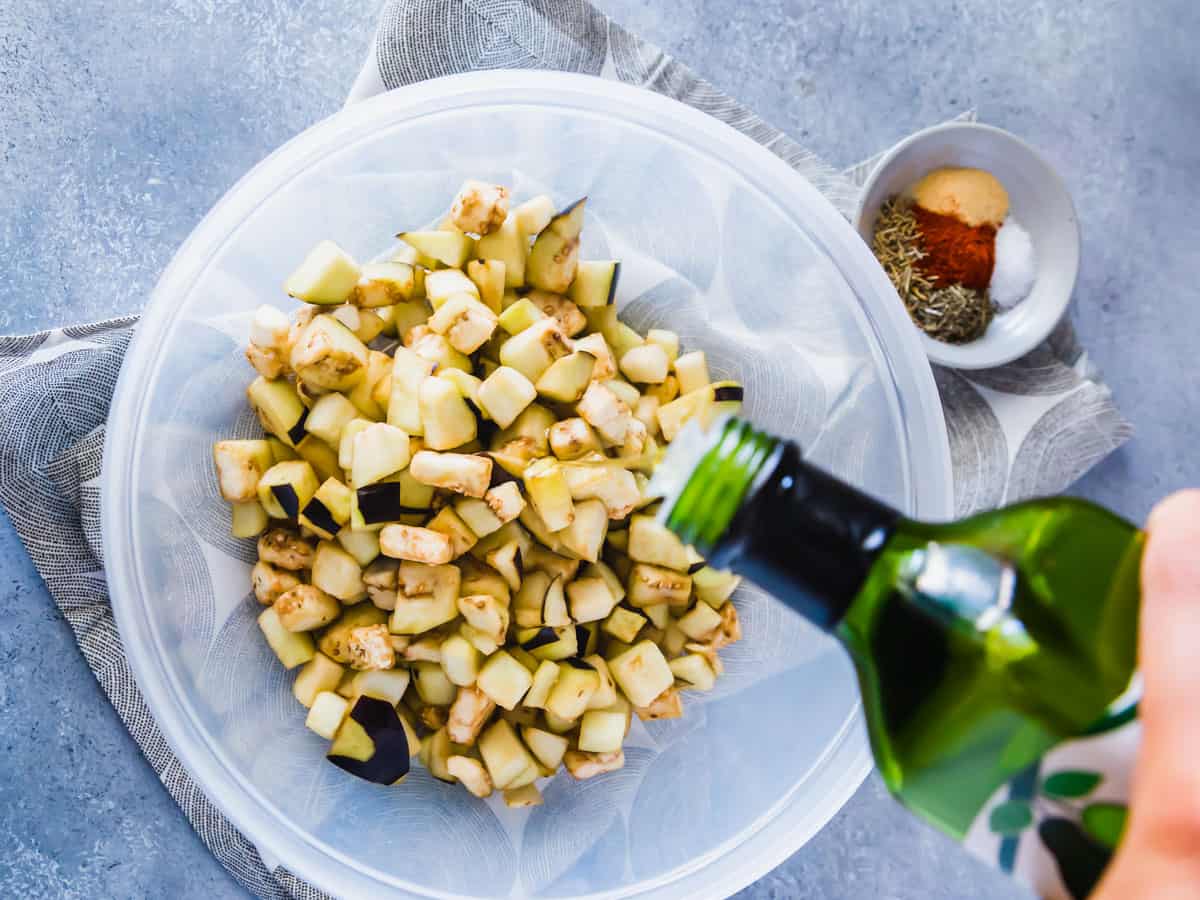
(1015, 268)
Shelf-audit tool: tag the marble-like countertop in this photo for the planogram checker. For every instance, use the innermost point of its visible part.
(122, 121)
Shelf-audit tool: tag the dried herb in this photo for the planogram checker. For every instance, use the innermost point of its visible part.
(954, 314)
(951, 313)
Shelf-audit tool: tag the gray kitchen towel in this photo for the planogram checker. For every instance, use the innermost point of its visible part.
(1029, 428)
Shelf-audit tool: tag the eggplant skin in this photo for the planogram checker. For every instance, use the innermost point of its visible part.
(728, 393)
(545, 635)
(390, 761)
(318, 513)
(576, 663)
(381, 503)
(288, 500)
(297, 433)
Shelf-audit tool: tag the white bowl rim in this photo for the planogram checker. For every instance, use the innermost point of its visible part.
(974, 356)
(779, 831)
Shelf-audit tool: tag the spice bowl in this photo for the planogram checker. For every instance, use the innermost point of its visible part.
(1038, 200)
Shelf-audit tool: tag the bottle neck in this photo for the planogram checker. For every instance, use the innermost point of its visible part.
(753, 505)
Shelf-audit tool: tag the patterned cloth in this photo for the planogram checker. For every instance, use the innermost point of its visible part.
(1028, 428)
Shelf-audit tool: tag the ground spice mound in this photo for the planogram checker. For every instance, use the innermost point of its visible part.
(955, 253)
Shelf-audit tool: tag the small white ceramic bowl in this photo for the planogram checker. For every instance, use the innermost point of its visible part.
(1038, 201)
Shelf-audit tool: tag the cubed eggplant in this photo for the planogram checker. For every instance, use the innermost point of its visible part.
(479, 207)
(583, 765)
(572, 691)
(694, 671)
(328, 509)
(372, 743)
(605, 412)
(504, 680)
(319, 674)
(692, 371)
(595, 282)
(488, 277)
(328, 275)
(333, 640)
(508, 245)
(533, 350)
(546, 746)
(624, 624)
(649, 585)
(433, 687)
(569, 317)
(584, 537)
(460, 660)
(554, 257)
(326, 714)
(292, 648)
(452, 248)
(240, 465)
(590, 599)
(329, 356)
(505, 394)
(700, 622)
(384, 284)
(647, 364)
(543, 682)
(462, 473)
(503, 753)
(547, 490)
(567, 378)
(286, 487)
(338, 573)
(652, 542)
(535, 214)
(306, 607)
(601, 731)
(642, 673)
(247, 520)
(382, 684)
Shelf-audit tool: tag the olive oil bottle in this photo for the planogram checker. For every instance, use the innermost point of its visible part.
(979, 644)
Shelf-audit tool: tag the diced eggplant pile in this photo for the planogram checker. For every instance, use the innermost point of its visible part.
(456, 547)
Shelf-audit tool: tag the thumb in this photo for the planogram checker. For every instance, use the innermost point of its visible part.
(1159, 857)
(1168, 777)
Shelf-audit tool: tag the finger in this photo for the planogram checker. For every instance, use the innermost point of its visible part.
(1168, 778)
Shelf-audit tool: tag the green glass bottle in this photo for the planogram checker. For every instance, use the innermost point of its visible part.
(979, 644)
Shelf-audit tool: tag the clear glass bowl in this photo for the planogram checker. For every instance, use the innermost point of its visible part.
(724, 243)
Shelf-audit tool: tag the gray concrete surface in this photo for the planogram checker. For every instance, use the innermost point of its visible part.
(121, 122)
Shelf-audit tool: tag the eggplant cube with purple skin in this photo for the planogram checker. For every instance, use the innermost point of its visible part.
(554, 257)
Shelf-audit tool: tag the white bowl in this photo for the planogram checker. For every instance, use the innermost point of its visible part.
(718, 239)
(1038, 201)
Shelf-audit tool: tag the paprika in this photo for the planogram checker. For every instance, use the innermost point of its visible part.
(955, 253)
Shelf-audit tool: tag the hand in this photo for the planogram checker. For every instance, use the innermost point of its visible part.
(1159, 856)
